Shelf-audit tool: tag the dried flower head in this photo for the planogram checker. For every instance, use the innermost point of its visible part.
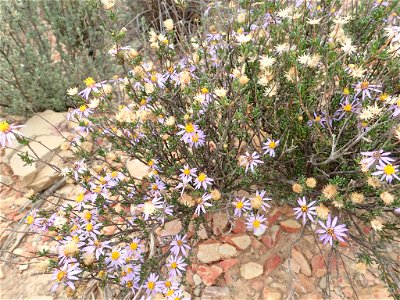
(374, 182)
(311, 182)
(330, 191)
(376, 225)
(215, 195)
(387, 197)
(297, 188)
(357, 198)
(322, 211)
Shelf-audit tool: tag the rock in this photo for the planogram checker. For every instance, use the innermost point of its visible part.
(273, 216)
(302, 261)
(44, 178)
(197, 279)
(240, 241)
(272, 263)
(239, 227)
(257, 285)
(292, 265)
(251, 270)
(304, 285)
(137, 169)
(6, 179)
(1, 273)
(36, 126)
(189, 276)
(208, 252)
(40, 298)
(197, 291)
(318, 266)
(228, 263)
(255, 244)
(290, 226)
(322, 283)
(28, 173)
(171, 228)
(215, 293)
(220, 221)
(209, 274)
(376, 292)
(227, 251)
(271, 294)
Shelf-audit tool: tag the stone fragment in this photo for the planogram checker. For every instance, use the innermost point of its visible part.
(251, 270)
(272, 263)
(302, 261)
(209, 274)
(137, 169)
(255, 244)
(292, 265)
(228, 263)
(208, 252)
(227, 251)
(215, 293)
(239, 226)
(197, 279)
(171, 228)
(220, 221)
(376, 292)
(318, 266)
(1, 273)
(290, 226)
(273, 216)
(271, 294)
(187, 200)
(240, 241)
(304, 285)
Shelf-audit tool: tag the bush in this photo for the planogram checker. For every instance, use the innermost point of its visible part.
(294, 103)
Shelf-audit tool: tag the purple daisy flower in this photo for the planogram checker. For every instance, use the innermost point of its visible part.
(202, 181)
(240, 206)
(331, 230)
(305, 210)
(256, 223)
(179, 245)
(176, 265)
(250, 161)
(378, 156)
(7, 133)
(153, 285)
(202, 203)
(365, 88)
(388, 172)
(269, 147)
(65, 275)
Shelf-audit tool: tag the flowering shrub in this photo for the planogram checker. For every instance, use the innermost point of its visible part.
(291, 102)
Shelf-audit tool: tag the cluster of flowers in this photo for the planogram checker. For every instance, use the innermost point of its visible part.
(383, 164)
(252, 160)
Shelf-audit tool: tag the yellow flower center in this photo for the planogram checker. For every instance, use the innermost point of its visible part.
(346, 91)
(151, 285)
(239, 205)
(195, 137)
(169, 293)
(115, 255)
(153, 78)
(75, 238)
(256, 223)
(272, 145)
(29, 220)
(143, 102)
(330, 231)
(304, 208)
(74, 227)
(317, 119)
(204, 90)
(171, 69)
(189, 128)
(202, 177)
(133, 246)
(179, 242)
(383, 97)
(174, 265)
(154, 187)
(168, 284)
(114, 174)
(4, 126)
(79, 198)
(150, 163)
(89, 82)
(186, 171)
(87, 215)
(82, 108)
(129, 284)
(61, 275)
(364, 85)
(89, 227)
(347, 108)
(97, 243)
(389, 169)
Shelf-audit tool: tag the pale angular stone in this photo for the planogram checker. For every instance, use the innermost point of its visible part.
(137, 169)
(294, 266)
(197, 279)
(209, 252)
(216, 293)
(302, 261)
(251, 270)
(220, 220)
(171, 228)
(227, 251)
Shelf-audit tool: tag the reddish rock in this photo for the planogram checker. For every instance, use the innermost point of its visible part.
(228, 277)
(286, 210)
(272, 263)
(220, 221)
(189, 276)
(318, 266)
(209, 274)
(275, 233)
(273, 216)
(257, 285)
(240, 241)
(228, 263)
(302, 261)
(19, 217)
(268, 242)
(304, 284)
(255, 244)
(170, 228)
(290, 226)
(215, 293)
(239, 227)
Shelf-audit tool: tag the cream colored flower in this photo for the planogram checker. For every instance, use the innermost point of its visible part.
(88, 258)
(243, 80)
(387, 197)
(94, 103)
(314, 60)
(311, 182)
(374, 182)
(322, 211)
(241, 18)
(266, 61)
(72, 91)
(361, 268)
(107, 4)
(330, 191)
(169, 24)
(297, 188)
(376, 225)
(170, 121)
(357, 198)
(303, 59)
(314, 21)
(220, 92)
(215, 195)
